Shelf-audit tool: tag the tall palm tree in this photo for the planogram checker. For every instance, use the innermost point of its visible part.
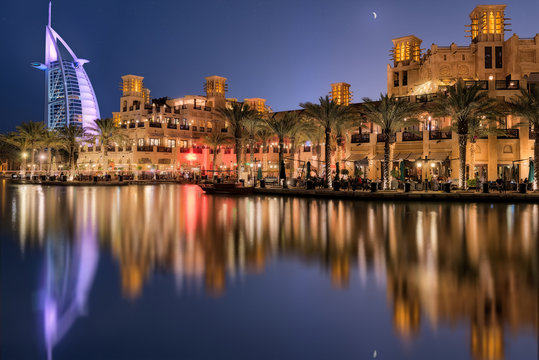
(264, 134)
(72, 137)
(235, 116)
(465, 105)
(215, 140)
(526, 105)
(283, 125)
(251, 125)
(329, 115)
(32, 133)
(106, 134)
(391, 115)
(51, 141)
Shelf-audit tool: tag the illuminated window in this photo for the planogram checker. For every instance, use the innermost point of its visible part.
(171, 143)
(141, 142)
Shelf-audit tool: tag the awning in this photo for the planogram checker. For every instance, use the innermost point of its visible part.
(400, 156)
(413, 156)
(438, 156)
(356, 157)
(378, 157)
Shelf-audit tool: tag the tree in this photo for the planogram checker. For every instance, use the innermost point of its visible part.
(330, 116)
(465, 105)
(526, 105)
(235, 116)
(283, 125)
(51, 141)
(9, 144)
(32, 134)
(264, 134)
(106, 134)
(72, 137)
(391, 115)
(251, 124)
(215, 140)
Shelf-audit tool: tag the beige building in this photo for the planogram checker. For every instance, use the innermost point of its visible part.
(500, 66)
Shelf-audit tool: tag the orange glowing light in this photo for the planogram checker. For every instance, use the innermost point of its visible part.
(191, 157)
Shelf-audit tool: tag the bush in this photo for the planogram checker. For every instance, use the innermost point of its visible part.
(471, 183)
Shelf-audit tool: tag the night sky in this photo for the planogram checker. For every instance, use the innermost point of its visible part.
(286, 51)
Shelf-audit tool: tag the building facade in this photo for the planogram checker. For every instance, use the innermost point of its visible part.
(69, 95)
(498, 65)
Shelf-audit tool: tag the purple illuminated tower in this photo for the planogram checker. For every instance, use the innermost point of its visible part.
(70, 98)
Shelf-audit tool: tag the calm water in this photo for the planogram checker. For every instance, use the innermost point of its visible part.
(166, 272)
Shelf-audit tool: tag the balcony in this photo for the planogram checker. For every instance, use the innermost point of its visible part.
(140, 124)
(483, 84)
(507, 84)
(507, 134)
(412, 136)
(155, 124)
(184, 127)
(132, 125)
(145, 148)
(172, 126)
(164, 149)
(360, 138)
(382, 138)
(440, 135)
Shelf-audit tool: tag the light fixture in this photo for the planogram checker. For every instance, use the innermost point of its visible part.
(491, 77)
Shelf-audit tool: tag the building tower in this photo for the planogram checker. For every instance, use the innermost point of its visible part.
(340, 93)
(69, 97)
(257, 104)
(215, 87)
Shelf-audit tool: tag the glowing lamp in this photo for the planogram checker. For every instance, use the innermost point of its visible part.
(191, 157)
(419, 164)
(491, 77)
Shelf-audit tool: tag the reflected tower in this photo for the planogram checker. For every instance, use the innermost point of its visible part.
(69, 96)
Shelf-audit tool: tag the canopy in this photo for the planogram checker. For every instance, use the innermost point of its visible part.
(413, 156)
(361, 157)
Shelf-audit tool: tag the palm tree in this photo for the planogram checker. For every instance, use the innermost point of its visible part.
(465, 105)
(13, 140)
(215, 140)
(283, 125)
(391, 115)
(251, 125)
(106, 134)
(526, 105)
(329, 115)
(51, 141)
(235, 116)
(264, 134)
(32, 133)
(72, 136)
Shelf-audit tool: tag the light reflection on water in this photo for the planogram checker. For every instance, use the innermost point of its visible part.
(437, 263)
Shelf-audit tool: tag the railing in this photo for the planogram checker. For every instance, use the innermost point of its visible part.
(306, 149)
(164, 149)
(508, 134)
(140, 124)
(405, 99)
(184, 127)
(128, 148)
(412, 136)
(425, 98)
(382, 138)
(132, 125)
(146, 148)
(483, 84)
(197, 107)
(111, 149)
(360, 138)
(507, 84)
(172, 126)
(155, 124)
(440, 135)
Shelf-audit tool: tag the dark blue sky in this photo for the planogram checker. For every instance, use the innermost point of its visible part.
(286, 51)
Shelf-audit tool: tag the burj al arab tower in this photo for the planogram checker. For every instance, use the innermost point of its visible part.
(70, 98)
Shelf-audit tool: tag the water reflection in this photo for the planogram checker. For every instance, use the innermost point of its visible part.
(439, 263)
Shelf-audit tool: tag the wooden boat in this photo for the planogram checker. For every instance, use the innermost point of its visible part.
(227, 189)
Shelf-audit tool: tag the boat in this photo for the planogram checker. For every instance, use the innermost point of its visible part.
(227, 189)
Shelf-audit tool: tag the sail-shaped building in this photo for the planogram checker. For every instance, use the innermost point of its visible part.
(70, 98)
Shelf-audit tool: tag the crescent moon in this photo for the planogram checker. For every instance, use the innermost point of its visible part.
(375, 16)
